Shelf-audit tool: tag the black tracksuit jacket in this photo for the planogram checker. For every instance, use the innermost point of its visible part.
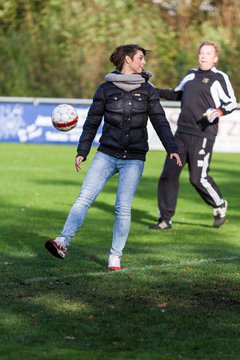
(198, 91)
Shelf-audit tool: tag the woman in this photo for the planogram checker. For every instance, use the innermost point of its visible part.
(125, 100)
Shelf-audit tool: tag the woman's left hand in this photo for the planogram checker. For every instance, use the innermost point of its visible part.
(177, 157)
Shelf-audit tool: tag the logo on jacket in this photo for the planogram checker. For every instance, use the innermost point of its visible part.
(205, 80)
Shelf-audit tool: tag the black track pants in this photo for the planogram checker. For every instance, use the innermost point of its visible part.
(196, 152)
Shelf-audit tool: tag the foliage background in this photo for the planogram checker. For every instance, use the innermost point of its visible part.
(60, 48)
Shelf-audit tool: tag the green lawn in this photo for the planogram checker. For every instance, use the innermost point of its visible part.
(178, 296)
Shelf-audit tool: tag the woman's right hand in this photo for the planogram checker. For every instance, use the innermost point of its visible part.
(177, 157)
(78, 161)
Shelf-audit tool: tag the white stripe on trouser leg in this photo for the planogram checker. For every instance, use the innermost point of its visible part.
(202, 151)
(205, 163)
(204, 143)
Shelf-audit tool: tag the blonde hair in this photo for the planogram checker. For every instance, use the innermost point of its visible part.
(211, 43)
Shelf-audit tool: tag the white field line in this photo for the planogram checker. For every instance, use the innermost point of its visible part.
(133, 269)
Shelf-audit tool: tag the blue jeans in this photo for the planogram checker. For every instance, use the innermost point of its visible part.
(102, 168)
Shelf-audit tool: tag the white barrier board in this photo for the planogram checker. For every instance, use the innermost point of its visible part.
(29, 120)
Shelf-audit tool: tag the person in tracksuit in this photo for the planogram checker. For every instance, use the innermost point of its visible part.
(206, 94)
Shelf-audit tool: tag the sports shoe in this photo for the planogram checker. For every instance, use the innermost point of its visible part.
(161, 225)
(114, 262)
(56, 247)
(220, 215)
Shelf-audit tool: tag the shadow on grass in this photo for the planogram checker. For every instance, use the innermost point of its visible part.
(75, 306)
(167, 304)
(166, 312)
(148, 190)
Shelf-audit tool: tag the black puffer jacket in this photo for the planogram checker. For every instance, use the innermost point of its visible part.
(125, 115)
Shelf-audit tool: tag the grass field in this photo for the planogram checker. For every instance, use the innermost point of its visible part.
(178, 296)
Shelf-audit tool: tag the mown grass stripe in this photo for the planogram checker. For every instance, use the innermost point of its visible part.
(133, 269)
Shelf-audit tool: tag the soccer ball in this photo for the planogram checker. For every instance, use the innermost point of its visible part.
(64, 117)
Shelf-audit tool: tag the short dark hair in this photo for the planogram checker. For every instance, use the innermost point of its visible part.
(119, 54)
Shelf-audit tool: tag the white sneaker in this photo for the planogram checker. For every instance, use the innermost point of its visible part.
(57, 247)
(114, 262)
(220, 214)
